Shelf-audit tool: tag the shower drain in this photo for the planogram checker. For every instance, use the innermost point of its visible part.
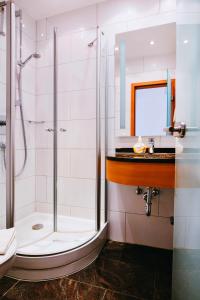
(37, 226)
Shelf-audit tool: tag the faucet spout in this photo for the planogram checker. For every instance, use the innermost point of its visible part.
(151, 143)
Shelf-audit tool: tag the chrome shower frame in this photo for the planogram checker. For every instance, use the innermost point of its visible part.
(10, 112)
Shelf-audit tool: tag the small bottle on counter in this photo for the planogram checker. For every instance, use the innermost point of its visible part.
(139, 147)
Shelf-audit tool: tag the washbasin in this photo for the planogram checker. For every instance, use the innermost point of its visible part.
(129, 168)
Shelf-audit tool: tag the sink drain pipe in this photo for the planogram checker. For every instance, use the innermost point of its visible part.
(148, 196)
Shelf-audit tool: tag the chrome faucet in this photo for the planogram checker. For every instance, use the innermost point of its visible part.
(151, 143)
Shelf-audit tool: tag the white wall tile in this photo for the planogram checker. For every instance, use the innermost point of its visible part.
(28, 80)
(24, 211)
(167, 5)
(192, 6)
(123, 198)
(64, 48)
(45, 49)
(44, 81)
(29, 169)
(83, 163)
(29, 27)
(80, 212)
(44, 108)
(82, 134)
(64, 100)
(3, 66)
(83, 104)
(41, 188)
(166, 203)
(192, 233)
(116, 230)
(116, 10)
(64, 163)
(23, 197)
(155, 20)
(65, 77)
(83, 74)
(149, 231)
(80, 41)
(44, 162)
(76, 192)
(41, 28)
(77, 20)
(3, 99)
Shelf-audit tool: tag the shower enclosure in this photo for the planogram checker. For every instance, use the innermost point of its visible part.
(52, 147)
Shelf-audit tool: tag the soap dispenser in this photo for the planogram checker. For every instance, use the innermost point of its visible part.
(139, 147)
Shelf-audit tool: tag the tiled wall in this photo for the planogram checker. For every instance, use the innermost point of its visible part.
(25, 184)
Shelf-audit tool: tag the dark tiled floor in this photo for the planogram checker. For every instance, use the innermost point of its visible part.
(122, 272)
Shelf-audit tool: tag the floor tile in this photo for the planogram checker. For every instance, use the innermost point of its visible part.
(113, 250)
(5, 284)
(163, 285)
(61, 289)
(119, 276)
(122, 272)
(110, 295)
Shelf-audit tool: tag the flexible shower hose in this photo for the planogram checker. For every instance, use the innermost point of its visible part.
(22, 125)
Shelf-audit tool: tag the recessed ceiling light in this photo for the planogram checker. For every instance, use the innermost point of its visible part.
(151, 43)
(116, 49)
(185, 42)
(23, 25)
(42, 35)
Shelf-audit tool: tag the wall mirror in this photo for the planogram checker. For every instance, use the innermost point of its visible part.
(145, 84)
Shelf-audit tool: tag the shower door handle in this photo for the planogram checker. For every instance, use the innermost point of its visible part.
(49, 129)
(63, 129)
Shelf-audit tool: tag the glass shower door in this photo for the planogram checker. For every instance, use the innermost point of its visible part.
(186, 260)
(2, 117)
(76, 137)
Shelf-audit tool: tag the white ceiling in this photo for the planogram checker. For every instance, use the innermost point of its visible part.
(39, 9)
(138, 41)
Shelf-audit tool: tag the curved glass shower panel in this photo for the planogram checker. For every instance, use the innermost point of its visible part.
(2, 117)
(34, 139)
(77, 136)
(103, 122)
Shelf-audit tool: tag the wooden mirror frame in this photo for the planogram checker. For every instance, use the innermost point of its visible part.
(150, 84)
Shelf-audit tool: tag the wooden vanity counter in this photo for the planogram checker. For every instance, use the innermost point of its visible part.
(141, 171)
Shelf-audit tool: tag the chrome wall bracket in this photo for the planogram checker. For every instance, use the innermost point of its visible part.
(139, 190)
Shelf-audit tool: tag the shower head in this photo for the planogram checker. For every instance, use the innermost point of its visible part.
(34, 55)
